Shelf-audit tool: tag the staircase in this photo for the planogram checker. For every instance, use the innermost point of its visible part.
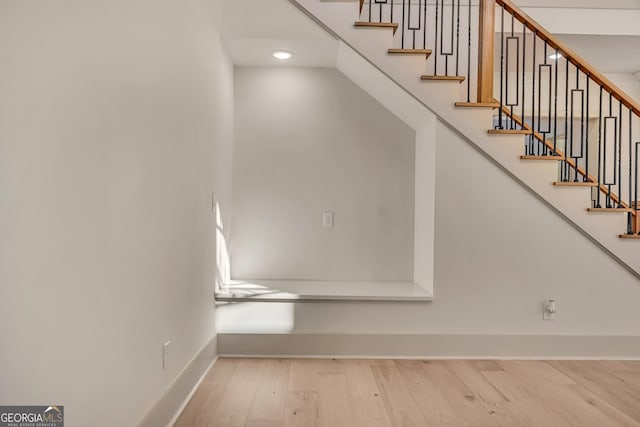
(523, 98)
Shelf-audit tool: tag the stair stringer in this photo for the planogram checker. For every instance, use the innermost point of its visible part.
(472, 125)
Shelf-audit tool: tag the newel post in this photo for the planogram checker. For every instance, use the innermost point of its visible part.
(485, 50)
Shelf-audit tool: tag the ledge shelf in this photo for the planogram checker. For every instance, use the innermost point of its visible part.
(316, 290)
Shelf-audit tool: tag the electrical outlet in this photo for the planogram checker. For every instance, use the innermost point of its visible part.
(549, 309)
(327, 220)
(165, 355)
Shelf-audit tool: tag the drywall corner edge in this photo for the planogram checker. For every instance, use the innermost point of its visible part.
(418, 117)
(424, 205)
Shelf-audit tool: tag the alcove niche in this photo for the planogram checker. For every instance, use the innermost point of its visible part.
(326, 192)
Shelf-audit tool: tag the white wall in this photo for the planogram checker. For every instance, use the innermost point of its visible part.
(499, 253)
(115, 118)
(629, 83)
(307, 141)
(417, 117)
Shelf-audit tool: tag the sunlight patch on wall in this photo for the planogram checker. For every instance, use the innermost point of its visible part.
(255, 317)
(223, 269)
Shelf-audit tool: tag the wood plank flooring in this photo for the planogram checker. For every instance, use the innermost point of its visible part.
(389, 393)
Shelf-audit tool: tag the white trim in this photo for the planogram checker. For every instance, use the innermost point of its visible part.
(258, 290)
(377, 357)
(167, 409)
(453, 346)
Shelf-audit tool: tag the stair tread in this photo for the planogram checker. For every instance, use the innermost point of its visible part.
(510, 131)
(477, 104)
(575, 184)
(613, 210)
(409, 51)
(444, 78)
(392, 25)
(556, 158)
(630, 236)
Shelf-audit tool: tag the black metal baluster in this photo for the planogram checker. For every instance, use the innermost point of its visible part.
(435, 42)
(370, 11)
(620, 155)
(410, 26)
(604, 155)
(598, 204)
(404, 6)
(555, 107)
(542, 148)
(446, 57)
(414, 31)
(424, 26)
(629, 216)
(586, 134)
(451, 45)
(566, 170)
(510, 103)
(391, 16)
(576, 91)
(419, 23)
(524, 67)
(533, 87)
(500, 126)
(457, 36)
(453, 20)
(447, 53)
(469, 56)
(571, 135)
(548, 128)
(635, 199)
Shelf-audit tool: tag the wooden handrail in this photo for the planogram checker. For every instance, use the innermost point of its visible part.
(571, 56)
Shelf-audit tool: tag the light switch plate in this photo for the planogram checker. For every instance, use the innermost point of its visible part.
(327, 219)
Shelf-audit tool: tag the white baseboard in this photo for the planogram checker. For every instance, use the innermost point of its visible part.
(168, 408)
(617, 347)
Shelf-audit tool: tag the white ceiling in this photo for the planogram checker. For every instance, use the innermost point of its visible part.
(251, 38)
(608, 54)
(258, 51)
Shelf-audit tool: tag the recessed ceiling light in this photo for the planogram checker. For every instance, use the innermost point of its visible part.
(555, 56)
(282, 55)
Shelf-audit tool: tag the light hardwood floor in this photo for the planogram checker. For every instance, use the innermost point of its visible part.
(369, 393)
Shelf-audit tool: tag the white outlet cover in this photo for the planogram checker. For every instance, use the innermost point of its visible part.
(165, 355)
(327, 219)
(546, 314)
